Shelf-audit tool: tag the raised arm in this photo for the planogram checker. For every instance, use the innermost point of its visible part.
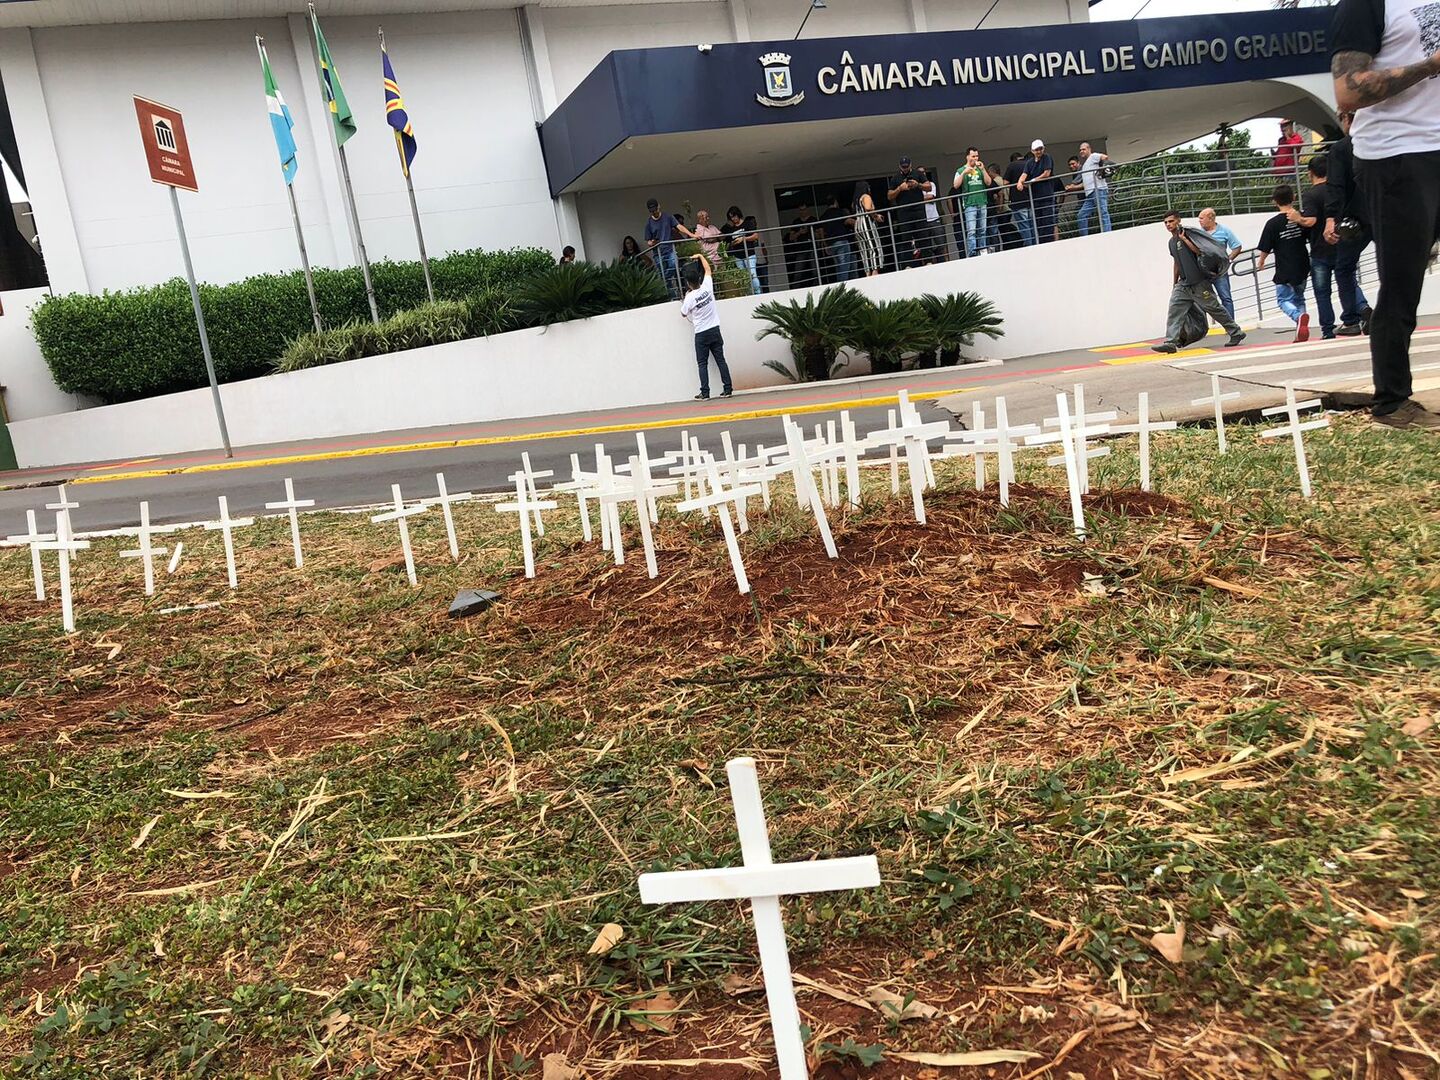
(1358, 83)
(704, 262)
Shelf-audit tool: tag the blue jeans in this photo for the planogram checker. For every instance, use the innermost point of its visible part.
(974, 228)
(709, 343)
(1291, 299)
(1352, 300)
(669, 267)
(1222, 290)
(1099, 197)
(840, 259)
(1321, 274)
(750, 262)
(1024, 222)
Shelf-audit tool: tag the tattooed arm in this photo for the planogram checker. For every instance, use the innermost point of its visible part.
(1358, 84)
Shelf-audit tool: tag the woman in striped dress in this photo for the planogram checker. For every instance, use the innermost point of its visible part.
(867, 236)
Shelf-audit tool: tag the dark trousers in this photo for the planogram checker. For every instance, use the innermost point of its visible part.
(1347, 279)
(709, 343)
(1402, 196)
(1322, 274)
(1045, 219)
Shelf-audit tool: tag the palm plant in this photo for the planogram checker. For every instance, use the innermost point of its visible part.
(890, 330)
(956, 318)
(817, 330)
(563, 292)
(627, 285)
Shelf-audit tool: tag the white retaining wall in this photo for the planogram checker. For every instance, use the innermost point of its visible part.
(1077, 294)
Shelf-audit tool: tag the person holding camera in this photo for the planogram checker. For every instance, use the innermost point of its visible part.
(907, 196)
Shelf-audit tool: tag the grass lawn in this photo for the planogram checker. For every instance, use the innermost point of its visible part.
(321, 829)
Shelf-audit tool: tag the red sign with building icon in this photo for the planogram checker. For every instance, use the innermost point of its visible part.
(167, 151)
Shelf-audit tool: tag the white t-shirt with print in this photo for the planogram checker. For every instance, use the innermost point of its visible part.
(699, 307)
(932, 211)
(1397, 33)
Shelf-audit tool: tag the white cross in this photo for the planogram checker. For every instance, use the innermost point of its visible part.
(606, 485)
(1003, 440)
(1143, 428)
(66, 546)
(1295, 429)
(1084, 427)
(64, 506)
(524, 506)
(530, 477)
(291, 505)
(1218, 400)
(852, 448)
(444, 500)
(914, 435)
(720, 498)
(401, 515)
(642, 491)
(729, 469)
(175, 557)
(643, 461)
(33, 537)
(146, 552)
(1068, 456)
(894, 455)
(805, 493)
(224, 526)
(763, 883)
(582, 485)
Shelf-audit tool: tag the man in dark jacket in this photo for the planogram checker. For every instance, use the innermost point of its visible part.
(1343, 205)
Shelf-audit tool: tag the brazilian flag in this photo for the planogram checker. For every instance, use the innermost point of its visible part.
(340, 114)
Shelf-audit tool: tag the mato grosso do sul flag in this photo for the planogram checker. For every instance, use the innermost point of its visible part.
(281, 122)
(340, 114)
(395, 114)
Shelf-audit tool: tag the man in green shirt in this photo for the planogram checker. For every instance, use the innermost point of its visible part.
(973, 185)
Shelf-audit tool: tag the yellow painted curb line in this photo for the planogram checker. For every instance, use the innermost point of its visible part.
(491, 440)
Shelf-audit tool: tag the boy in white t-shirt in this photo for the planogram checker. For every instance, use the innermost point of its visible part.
(699, 307)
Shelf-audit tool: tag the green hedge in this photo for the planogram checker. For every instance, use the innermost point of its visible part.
(141, 342)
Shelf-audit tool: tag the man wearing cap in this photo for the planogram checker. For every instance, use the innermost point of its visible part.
(1286, 159)
(908, 197)
(1034, 199)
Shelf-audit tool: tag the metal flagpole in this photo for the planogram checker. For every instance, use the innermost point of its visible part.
(200, 322)
(414, 209)
(305, 259)
(349, 192)
(295, 215)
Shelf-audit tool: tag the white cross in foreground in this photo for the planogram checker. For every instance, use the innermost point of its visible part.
(66, 546)
(291, 505)
(1294, 429)
(581, 484)
(1143, 428)
(1067, 440)
(530, 477)
(1218, 400)
(763, 883)
(720, 497)
(525, 507)
(64, 506)
(34, 538)
(444, 501)
(225, 525)
(805, 492)
(642, 490)
(1003, 440)
(146, 552)
(1084, 427)
(401, 515)
(914, 434)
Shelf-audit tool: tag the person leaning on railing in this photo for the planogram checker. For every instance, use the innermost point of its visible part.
(1384, 61)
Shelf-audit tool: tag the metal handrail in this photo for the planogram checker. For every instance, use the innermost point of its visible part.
(1140, 192)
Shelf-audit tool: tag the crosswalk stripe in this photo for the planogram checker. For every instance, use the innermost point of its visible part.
(1330, 380)
(1358, 346)
(1309, 362)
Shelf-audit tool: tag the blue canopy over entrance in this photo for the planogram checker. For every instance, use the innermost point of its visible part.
(646, 92)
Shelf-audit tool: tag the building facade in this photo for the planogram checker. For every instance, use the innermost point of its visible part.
(552, 123)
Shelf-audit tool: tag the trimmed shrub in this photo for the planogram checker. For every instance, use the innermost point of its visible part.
(629, 285)
(428, 324)
(564, 292)
(141, 342)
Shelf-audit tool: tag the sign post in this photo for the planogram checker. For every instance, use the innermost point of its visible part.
(167, 151)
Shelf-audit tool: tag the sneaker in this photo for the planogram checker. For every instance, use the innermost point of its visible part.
(1410, 416)
(1302, 329)
(702, 397)
(1327, 337)
(1350, 330)
(727, 393)
(1164, 347)
(1236, 340)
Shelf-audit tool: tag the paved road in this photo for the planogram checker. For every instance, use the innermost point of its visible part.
(360, 470)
